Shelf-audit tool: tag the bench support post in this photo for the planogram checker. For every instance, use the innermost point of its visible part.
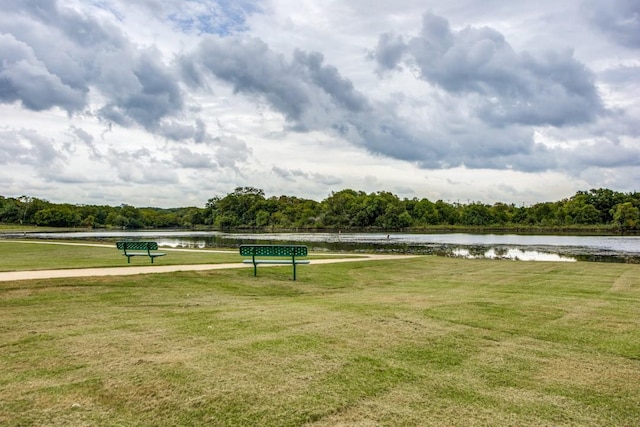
(255, 266)
(293, 261)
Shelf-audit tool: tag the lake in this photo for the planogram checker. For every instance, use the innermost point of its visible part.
(500, 246)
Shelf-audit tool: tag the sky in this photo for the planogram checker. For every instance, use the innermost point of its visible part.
(169, 103)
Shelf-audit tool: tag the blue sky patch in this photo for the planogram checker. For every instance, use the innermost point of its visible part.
(222, 17)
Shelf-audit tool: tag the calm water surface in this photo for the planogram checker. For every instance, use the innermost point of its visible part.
(508, 246)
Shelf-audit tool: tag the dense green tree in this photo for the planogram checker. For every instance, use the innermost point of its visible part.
(88, 221)
(57, 217)
(247, 207)
(339, 209)
(476, 214)
(367, 209)
(604, 200)
(425, 213)
(394, 213)
(191, 217)
(546, 214)
(263, 218)
(626, 216)
(503, 213)
(225, 222)
(10, 212)
(588, 214)
(579, 209)
(93, 216)
(300, 212)
(237, 209)
(132, 215)
(519, 215)
(447, 213)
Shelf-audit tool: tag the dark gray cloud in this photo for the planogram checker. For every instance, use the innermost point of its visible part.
(309, 93)
(389, 51)
(61, 73)
(252, 68)
(150, 94)
(329, 80)
(549, 88)
(25, 78)
(603, 153)
(138, 88)
(305, 90)
(314, 96)
(619, 20)
(462, 142)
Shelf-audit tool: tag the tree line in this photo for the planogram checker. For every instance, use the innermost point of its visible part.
(249, 208)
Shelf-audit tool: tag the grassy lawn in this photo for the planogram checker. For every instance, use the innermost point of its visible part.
(44, 255)
(26, 255)
(10, 228)
(424, 341)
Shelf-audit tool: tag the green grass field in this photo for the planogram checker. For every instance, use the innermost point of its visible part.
(19, 255)
(423, 341)
(38, 255)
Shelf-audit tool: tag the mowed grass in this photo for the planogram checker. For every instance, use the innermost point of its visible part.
(42, 255)
(19, 255)
(423, 341)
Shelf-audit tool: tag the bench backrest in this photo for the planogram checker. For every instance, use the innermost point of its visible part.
(137, 246)
(273, 250)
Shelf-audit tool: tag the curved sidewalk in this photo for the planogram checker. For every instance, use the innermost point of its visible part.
(8, 276)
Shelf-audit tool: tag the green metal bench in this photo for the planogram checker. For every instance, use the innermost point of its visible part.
(288, 251)
(139, 249)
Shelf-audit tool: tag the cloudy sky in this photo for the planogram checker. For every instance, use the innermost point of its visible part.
(170, 102)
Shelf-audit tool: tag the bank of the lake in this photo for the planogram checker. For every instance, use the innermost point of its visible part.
(576, 229)
(546, 247)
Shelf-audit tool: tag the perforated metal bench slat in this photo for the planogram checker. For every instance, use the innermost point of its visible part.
(138, 246)
(273, 250)
(130, 246)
